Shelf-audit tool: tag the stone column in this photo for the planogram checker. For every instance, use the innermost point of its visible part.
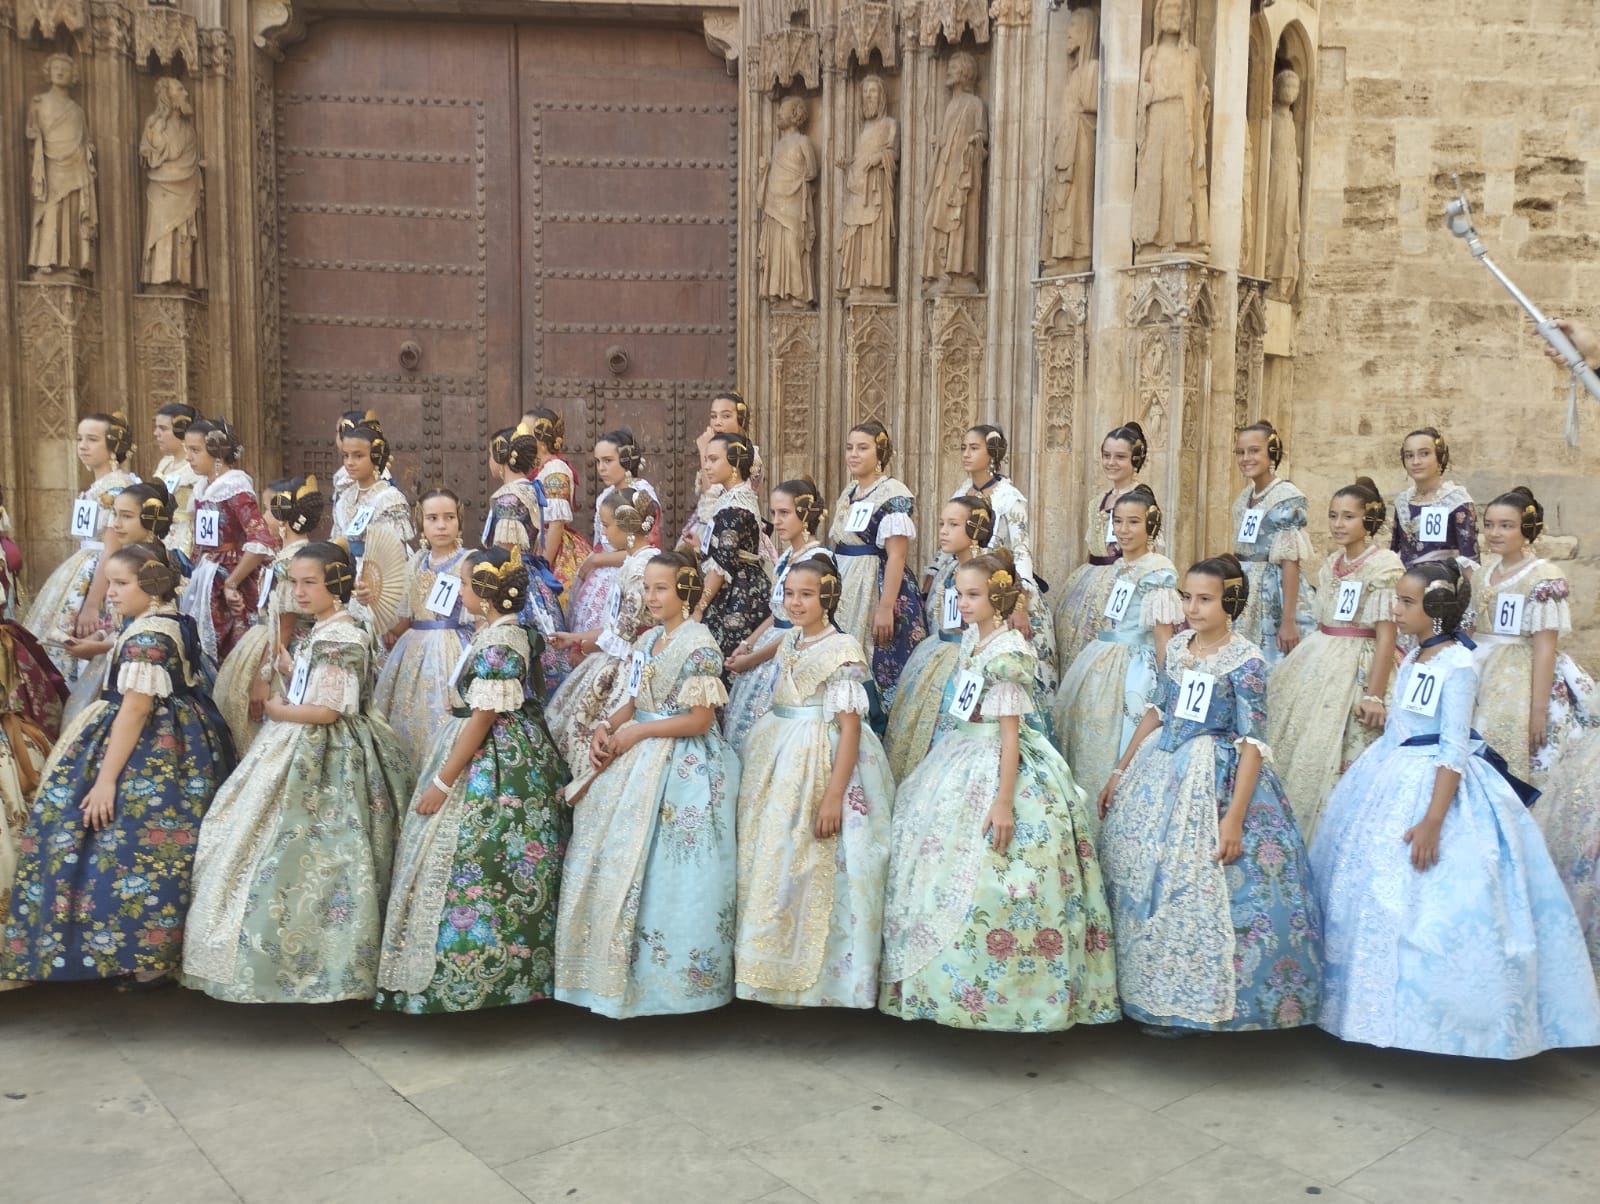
(62, 341)
(109, 99)
(1062, 447)
(12, 223)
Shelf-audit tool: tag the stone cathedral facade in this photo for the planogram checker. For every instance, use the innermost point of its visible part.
(1193, 213)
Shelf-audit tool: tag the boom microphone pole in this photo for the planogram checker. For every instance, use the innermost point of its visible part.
(1458, 215)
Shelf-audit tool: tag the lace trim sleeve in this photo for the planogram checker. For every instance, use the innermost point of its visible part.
(494, 694)
(1006, 698)
(895, 524)
(1161, 606)
(335, 687)
(144, 678)
(701, 691)
(844, 694)
(1290, 543)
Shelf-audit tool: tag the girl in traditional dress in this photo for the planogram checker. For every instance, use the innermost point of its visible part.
(349, 421)
(730, 415)
(797, 514)
(141, 513)
(617, 463)
(230, 537)
(72, 604)
(1105, 691)
(1326, 701)
(249, 676)
(1447, 928)
(1569, 814)
(1533, 700)
(425, 643)
(103, 880)
(628, 518)
(647, 891)
(368, 498)
(172, 424)
(515, 521)
(1122, 456)
(472, 917)
(292, 869)
(872, 532)
(1434, 519)
(555, 484)
(1214, 921)
(996, 917)
(983, 453)
(965, 526)
(737, 588)
(815, 809)
(1269, 522)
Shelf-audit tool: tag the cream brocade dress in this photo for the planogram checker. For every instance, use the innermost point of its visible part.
(811, 911)
(181, 480)
(1505, 667)
(292, 867)
(1313, 694)
(1083, 601)
(413, 690)
(1105, 691)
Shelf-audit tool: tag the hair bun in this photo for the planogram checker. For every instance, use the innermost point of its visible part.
(1368, 482)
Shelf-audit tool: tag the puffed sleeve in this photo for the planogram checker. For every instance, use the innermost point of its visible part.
(1289, 538)
(498, 672)
(1008, 685)
(1250, 706)
(1464, 531)
(617, 639)
(735, 540)
(702, 683)
(557, 484)
(337, 669)
(1160, 603)
(1457, 695)
(396, 513)
(1547, 607)
(897, 520)
(512, 521)
(145, 664)
(846, 692)
(257, 539)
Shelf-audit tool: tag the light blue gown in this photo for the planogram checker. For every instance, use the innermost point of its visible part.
(1481, 955)
(1281, 537)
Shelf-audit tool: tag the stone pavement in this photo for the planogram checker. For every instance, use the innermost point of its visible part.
(176, 1099)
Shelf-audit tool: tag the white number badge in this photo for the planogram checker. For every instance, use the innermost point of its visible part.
(1117, 604)
(1194, 695)
(1250, 526)
(1344, 610)
(359, 521)
(1422, 692)
(775, 600)
(84, 515)
(296, 692)
(207, 528)
(1434, 526)
(488, 528)
(951, 620)
(1111, 528)
(1508, 614)
(860, 516)
(461, 663)
(265, 590)
(171, 482)
(964, 695)
(444, 595)
(613, 606)
(635, 674)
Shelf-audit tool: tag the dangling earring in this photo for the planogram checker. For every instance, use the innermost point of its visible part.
(686, 610)
(1438, 627)
(630, 541)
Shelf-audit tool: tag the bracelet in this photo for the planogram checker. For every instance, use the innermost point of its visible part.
(1117, 773)
(606, 723)
(1374, 698)
(443, 787)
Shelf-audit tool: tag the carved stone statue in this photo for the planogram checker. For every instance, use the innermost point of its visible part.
(788, 225)
(866, 250)
(1283, 190)
(1069, 204)
(951, 239)
(66, 222)
(170, 149)
(1171, 207)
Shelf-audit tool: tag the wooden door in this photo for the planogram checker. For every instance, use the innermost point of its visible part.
(480, 218)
